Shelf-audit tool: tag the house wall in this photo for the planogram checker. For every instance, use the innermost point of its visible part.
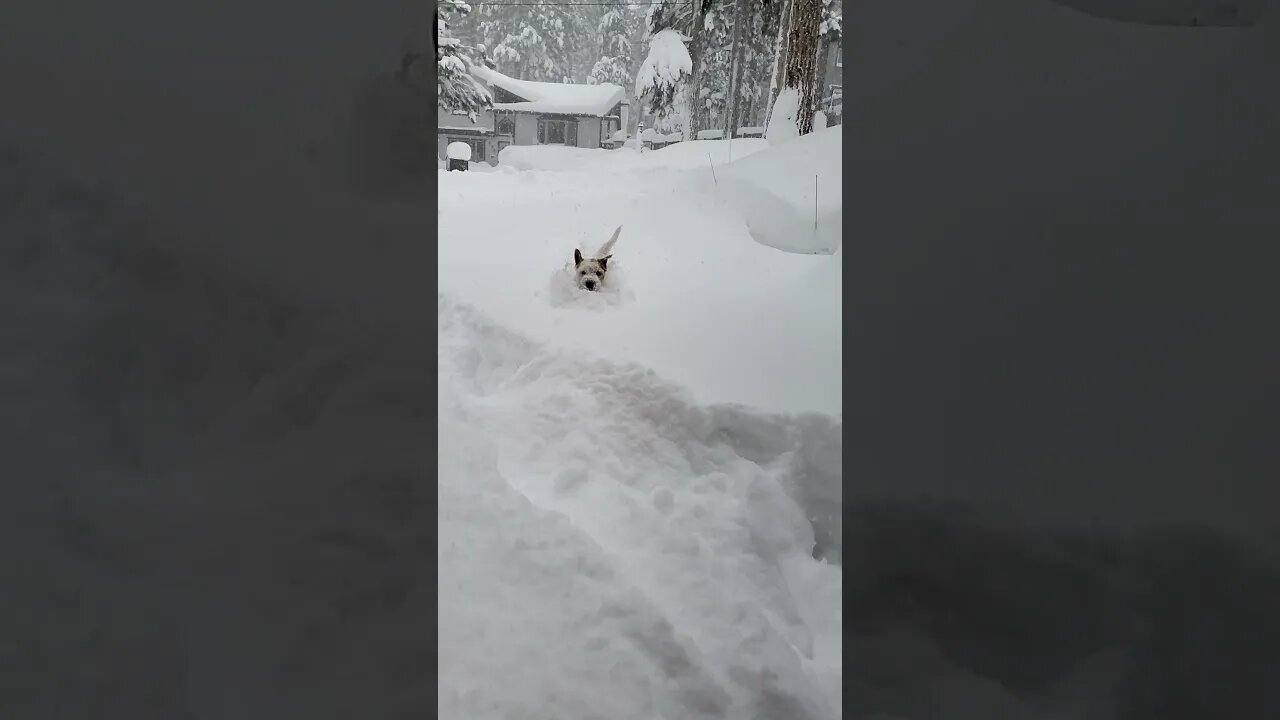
(589, 132)
(526, 129)
(484, 119)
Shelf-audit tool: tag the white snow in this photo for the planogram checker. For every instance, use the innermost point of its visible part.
(752, 130)
(711, 134)
(553, 98)
(782, 120)
(667, 62)
(458, 151)
(790, 195)
(686, 155)
(634, 483)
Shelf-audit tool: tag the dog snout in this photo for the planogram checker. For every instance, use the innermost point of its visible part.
(591, 284)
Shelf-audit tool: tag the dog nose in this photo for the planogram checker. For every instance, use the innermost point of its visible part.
(591, 284)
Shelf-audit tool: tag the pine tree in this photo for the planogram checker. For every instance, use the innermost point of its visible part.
(663, 78)
(689, 19)
(534, 42)
(456, 89)
(616, 28)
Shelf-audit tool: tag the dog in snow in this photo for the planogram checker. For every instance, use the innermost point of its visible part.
(590, 273)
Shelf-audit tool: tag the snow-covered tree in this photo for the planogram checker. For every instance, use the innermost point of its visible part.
(533, 42)
(663, 77)
(689, 20)
(456, 89)
(617, 27)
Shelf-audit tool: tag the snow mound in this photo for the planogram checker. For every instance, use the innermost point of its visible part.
(458, 151)
(658, 550)
(704, 153)
(690, 155)
(554, 157)
(790, 195)
(782, 119)
(563, 290)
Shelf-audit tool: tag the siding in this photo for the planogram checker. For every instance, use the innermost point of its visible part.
(589, 132)
(526, 129)
(484, 119)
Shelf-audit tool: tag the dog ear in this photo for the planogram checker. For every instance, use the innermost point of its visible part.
(604, 262)
(577, 257)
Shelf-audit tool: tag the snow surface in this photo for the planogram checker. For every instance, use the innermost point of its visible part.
(790, 195)
(782, 119)
(634, 483)
(554, 98)
(458, 151)
(689, 155)
(711, 134)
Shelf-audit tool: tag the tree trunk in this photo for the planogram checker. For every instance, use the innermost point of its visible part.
(737, 66)
(801, 72)
(779, 58)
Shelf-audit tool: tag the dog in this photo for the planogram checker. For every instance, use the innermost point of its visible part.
(590, 273)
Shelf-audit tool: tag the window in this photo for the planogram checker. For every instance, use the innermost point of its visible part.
(477, 150)
(557, 132)
(504, 123)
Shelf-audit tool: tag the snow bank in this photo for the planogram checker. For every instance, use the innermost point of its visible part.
(690, 155)
(656, 553)
(775, 192)
(553, 157)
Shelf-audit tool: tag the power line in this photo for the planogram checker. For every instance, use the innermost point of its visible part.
(580, 4)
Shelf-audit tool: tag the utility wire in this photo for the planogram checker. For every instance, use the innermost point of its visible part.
(582, 4)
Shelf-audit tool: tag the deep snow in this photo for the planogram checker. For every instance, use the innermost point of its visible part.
(635, 482)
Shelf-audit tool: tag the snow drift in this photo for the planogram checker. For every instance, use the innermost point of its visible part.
(790, 194)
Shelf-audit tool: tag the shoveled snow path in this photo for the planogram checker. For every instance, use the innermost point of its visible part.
(636, 565)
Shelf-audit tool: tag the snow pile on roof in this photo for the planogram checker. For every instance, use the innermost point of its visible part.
(618, 136)
(458, 151)
(775, 192)
(752, 130)
(554, 98)
(673, 137)
(710, 134)
(650, 135)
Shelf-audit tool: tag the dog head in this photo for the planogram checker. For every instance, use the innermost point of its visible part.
(590, 273)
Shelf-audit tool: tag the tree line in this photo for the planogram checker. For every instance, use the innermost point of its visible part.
(690, 64)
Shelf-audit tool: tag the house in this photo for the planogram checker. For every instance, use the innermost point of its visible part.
(536, 113)
(833, 85)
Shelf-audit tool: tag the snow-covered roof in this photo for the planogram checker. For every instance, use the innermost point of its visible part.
(650, 135)
(553, 98)
(710, 134)
(673, 137)
(618, 135)
(751, 130)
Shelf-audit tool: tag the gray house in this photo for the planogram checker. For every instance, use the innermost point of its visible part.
(832, 85)
(535, 113)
